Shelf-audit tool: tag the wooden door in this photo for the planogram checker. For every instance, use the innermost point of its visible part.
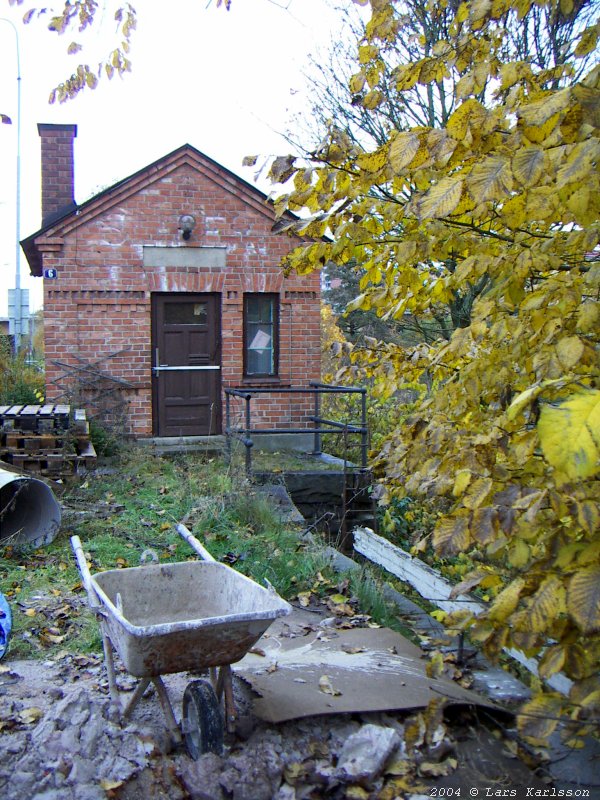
(186, 377)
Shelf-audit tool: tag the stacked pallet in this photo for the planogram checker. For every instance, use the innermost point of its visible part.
(47, 440)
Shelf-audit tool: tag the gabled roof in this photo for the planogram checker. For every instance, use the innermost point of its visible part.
(120, 191)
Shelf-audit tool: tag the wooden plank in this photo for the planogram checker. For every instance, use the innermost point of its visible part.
(46, 410)
(432, 587)
(14, 410)
(31, 411)
(3, 410)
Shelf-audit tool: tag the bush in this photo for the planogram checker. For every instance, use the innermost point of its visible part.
(20, 383)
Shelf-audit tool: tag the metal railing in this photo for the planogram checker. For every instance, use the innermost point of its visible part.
(321, 426)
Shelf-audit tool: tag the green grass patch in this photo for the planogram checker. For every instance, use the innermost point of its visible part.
(131, 507)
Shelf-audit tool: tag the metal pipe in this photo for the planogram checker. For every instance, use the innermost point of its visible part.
(248, 443)
(18, 315)
(29, 512)
(340, 429)
(364, 438)
(316, 420)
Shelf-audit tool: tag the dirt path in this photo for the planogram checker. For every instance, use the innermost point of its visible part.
(62, 740)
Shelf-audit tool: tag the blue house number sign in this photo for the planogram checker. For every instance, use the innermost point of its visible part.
(50, 273)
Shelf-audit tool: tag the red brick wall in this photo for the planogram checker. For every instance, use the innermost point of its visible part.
(57, 170)
(98, 308)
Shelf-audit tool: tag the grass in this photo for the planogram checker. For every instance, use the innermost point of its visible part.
(132, 507)
(283, 461)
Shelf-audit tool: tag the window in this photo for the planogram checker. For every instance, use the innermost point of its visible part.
(261, 313)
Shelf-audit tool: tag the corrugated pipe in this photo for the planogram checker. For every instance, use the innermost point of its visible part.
(29, 512)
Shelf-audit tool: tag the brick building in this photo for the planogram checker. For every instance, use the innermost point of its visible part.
(165, 289)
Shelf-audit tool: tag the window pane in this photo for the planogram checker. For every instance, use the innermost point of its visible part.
(259, 309)
(260, 334)
(185, 313)
(260, 362)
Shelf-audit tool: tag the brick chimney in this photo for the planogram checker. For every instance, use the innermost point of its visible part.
(58, 184)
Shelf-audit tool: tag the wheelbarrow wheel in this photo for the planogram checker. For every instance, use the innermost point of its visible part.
(202, 720)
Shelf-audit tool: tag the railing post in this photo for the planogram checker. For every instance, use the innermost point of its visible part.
(248, 443)
(317, 436)
(228, 428)
(364, 438)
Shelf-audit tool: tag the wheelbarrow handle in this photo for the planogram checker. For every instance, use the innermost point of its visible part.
(193, 542)
(85, 573)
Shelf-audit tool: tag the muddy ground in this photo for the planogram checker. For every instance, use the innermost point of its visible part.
(61, 739)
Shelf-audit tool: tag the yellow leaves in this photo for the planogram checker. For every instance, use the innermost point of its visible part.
(545, 111)
(588, 317)
(478, 492)
(507, 601)
(406, 76)
(528, 165)
(545, 605)
(471, 112)
(281, 169)
(580, 161)
(461, 481)
(441, 199)
(110, 785)
(491, 179)
(373, 162)
(366, 53)
(569, 350)
(29, 716)
(588, 40)
(357, 83)
(583, 598)
(403, 149)
(570, 435)
(519, 554)
(552, 661)
(588, 516)
(452, 535)
(539, 717)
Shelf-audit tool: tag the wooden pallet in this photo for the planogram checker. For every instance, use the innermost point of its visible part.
(46, 439)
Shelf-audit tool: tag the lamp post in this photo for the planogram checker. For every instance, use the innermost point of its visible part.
(17, 307)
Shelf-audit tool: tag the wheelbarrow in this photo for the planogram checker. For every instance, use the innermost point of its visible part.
(185, 616)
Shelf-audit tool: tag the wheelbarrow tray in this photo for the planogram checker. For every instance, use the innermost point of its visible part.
(184, 616)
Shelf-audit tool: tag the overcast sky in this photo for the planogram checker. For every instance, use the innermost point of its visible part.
(227, 83)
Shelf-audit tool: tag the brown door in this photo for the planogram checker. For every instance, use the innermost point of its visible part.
(186, 346)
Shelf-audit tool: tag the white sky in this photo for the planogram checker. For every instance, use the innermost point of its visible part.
(224, 82)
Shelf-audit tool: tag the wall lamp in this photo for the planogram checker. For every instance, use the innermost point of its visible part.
(186, 225)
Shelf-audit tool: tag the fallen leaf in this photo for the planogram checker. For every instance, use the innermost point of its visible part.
(30, 612)
(304, 599)
(348, 648)
(272, 668)
(431, 770)
(257, 651)
(399, 767)
(108, 785)
(319, 749)
(326, 686)
(30, 715)
(294, 772)
(356, 793)
(340, 609)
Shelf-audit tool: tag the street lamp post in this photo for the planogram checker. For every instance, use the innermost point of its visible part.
(17, 304)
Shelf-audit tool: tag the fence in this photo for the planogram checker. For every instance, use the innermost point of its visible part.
(321, 426)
